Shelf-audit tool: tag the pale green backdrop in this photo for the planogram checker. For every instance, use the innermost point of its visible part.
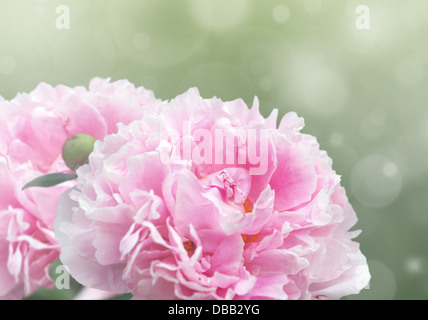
(363, 93)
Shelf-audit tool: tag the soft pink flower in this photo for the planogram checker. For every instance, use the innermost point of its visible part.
(146, 219)
(33, 128)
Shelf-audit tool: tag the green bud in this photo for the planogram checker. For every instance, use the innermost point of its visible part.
(76, 150)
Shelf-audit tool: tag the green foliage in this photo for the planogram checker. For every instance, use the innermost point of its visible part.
(50, 180)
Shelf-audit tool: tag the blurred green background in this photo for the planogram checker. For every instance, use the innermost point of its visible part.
(363, 93)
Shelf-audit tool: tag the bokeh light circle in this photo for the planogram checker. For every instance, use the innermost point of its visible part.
(281, 13)
(75, 51)
(314, 84)
(376, 181)
(383, 283)
(155, 34)
(416, 265)
(219, 15)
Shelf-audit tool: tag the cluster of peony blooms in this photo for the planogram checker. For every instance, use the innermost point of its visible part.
(185, 199)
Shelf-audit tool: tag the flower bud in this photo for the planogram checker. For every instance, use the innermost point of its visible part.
(76, 150)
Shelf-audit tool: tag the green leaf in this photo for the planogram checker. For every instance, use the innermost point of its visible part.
(50, 180)
(125, 296)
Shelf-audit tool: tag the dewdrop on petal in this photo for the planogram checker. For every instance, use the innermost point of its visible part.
(76, 150)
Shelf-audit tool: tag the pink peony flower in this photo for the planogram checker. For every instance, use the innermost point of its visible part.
(33, 128)
(157, 214)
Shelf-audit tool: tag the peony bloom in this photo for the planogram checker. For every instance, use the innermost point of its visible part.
(33, 128)
(207, 199)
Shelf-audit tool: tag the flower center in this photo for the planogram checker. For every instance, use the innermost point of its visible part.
(190, 247)
(248, 206)
(249, 237)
